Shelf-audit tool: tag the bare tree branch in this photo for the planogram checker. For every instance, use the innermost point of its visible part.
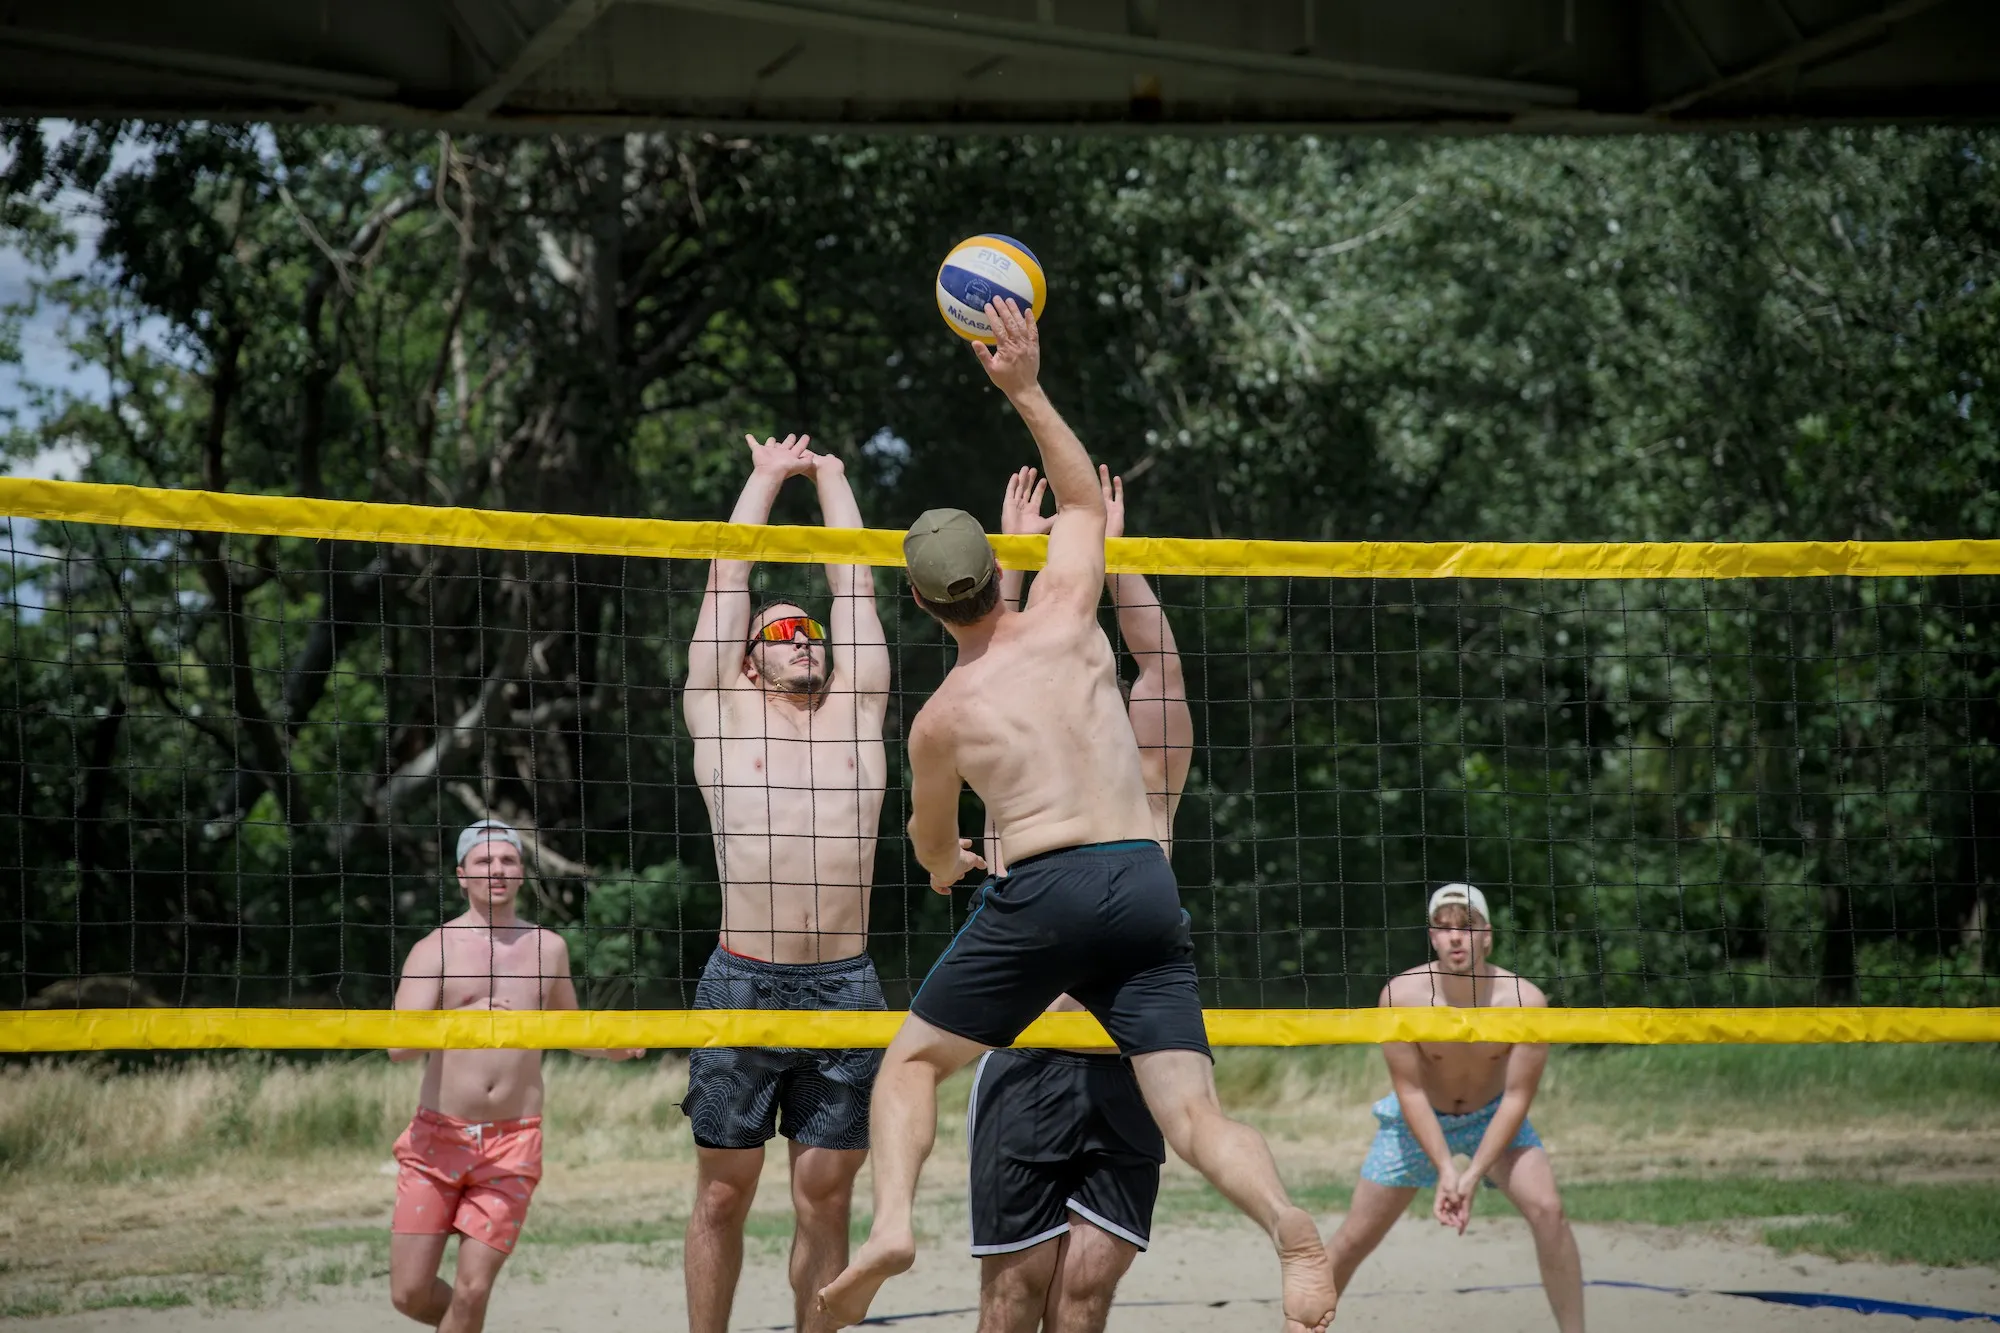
(412, 776)
(676, 339)
(548, 861)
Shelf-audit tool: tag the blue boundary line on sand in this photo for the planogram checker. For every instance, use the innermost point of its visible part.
(1811, 1300)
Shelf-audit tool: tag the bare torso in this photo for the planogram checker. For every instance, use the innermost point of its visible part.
(1462, 1076)
(491, 967)
(1162, 803)
(795, 796)
(1037, 728)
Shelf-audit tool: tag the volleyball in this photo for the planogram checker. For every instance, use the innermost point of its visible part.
(982, 269)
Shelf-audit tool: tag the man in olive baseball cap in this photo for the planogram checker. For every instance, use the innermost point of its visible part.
(952, 566)
(1030, 717)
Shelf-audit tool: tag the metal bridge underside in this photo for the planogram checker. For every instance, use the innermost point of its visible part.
(1538, 66)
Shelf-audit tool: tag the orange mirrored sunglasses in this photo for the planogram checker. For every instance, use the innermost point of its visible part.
(787, 628)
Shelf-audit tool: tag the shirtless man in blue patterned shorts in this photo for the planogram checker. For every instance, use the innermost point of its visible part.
(1469, 1099)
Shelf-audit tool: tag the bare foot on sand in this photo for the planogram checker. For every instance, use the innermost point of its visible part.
(845, 1300)
(1306, 1272)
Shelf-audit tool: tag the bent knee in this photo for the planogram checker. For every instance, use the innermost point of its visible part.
(822, 1215)
(827, 1192)
(823, 1186)
(411, 1299)
(723, 1201)
(824, 1200)
(472, 1293)
(1544, 1215)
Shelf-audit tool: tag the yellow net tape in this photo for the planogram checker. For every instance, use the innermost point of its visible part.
(678, 1029)
(417, 525)
(260, 515)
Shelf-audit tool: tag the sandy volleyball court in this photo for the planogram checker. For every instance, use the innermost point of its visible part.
(1197, 1278)
(132, 1204)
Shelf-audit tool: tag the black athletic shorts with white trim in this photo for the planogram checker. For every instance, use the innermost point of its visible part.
(736, 1094)
(1102, 923)
(1052, 1134)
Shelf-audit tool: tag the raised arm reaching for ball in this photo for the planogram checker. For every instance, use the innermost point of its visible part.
(1031, 717)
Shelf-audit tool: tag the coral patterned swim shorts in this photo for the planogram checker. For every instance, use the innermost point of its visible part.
(467, 1176)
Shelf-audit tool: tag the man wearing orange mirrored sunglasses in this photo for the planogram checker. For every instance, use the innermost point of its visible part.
(786, 711)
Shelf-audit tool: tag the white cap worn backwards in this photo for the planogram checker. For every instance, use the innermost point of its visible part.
(482, 830)
(1461, 893)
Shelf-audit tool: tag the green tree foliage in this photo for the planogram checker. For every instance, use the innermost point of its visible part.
(236, 763)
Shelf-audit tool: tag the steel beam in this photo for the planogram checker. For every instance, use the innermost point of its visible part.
(1829, 43)
(916, 23)
(297, 81)
(549, 41)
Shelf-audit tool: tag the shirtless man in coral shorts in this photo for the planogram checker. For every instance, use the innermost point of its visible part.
(471, 1158)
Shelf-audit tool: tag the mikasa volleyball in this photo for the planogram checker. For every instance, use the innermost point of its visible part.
(985, 269)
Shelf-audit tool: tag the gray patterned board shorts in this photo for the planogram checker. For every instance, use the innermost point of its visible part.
(737, 1095)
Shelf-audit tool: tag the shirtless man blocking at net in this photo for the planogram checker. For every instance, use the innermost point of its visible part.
(471, 1158)
(1064, 1156)
(786, 715)
(1462, 1098)
(1031, 718)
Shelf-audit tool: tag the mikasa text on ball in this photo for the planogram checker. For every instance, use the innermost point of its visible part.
(983, 269)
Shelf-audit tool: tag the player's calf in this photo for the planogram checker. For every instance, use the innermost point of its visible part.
(712, 1255)
(822, 1206)
(1179, 1088)
(1371, 1214)
(1528, 1180)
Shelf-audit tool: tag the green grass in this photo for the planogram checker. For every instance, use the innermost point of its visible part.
(1939, 1226)
(31, 1307)
(1947, 1226)
(321, 1263)
(1645, 1087)
(374, 1237)
(65, 1122)
(85, 1119)
(331, 1273)
(139, 1300)
(234, 1293)
(1950, 1087)
(566, 1232)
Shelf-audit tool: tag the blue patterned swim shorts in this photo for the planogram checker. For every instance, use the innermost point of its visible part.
(1397, 1160)
(736, 1095)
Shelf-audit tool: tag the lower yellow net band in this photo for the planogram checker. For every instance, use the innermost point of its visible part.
(680, 1029)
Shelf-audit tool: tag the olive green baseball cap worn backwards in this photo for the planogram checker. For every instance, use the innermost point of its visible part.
(948, 556)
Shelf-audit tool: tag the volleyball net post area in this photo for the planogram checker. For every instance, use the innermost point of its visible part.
(1712, 792)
